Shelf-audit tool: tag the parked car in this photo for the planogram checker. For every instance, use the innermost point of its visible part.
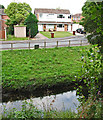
(38, 31)
(80, 30)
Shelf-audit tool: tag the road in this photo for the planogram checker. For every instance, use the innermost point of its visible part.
(48, 43)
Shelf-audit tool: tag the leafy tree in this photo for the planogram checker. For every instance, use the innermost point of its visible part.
(93, 22)
(31, 23)
(2, 7)
(17, 12)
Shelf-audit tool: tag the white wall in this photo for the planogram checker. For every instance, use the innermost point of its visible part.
(76, 26)
(53, 17)
(69, 27)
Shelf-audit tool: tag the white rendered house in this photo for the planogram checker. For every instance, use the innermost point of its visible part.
(53, 19)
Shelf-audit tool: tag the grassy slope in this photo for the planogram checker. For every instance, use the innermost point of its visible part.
(12, 38)
(58, 34)
(41, 67)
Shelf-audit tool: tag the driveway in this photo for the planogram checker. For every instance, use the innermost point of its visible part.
(39, 36)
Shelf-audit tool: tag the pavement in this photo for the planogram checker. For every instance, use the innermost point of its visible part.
(44, 42)
(39, 36)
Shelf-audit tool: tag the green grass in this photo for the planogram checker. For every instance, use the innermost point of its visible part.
(58, 34)
(12, 38)
(31, 69)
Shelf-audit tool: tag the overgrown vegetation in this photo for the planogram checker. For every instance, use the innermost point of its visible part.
(29, 111)
(93, 67)
(91, 78)
(31, 69)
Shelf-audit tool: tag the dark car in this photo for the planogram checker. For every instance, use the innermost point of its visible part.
(38, 31)
(80, 30)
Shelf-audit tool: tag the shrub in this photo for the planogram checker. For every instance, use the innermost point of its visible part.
(32, 26)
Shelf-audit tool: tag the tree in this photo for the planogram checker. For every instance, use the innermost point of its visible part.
(2, 7)
(17, 12)
(31, 23)
(93, 24)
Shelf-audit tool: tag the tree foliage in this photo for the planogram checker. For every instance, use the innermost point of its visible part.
(17, 13)
(2, 6)
(31, 23)
(93, 24)
(93, 21)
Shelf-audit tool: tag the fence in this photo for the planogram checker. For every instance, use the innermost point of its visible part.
(42, 44)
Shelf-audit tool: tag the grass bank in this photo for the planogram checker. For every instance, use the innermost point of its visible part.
(12, 38)
(57, 34)
(38, 68)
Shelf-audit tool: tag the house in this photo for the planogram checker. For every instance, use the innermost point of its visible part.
(3, 18)
(77, 17)
(53, 19)
(75, 21)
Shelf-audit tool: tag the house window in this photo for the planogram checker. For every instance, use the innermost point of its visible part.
(60, 25)
(50, 26)
(60, 16)
(40, 15)
(69, 16)
(78, 18)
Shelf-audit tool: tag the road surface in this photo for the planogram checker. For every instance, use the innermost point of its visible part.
(48, 43)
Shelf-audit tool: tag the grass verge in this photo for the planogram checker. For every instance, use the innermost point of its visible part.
(57, 34)
(38, 68)
(12, 38)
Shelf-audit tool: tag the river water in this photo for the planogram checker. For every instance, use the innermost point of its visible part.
(63, 101)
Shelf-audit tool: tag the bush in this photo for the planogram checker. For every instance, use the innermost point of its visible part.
(32, 26)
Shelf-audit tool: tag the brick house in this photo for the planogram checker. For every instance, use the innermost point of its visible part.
(77, 17)
(53, 19)
(3, 18)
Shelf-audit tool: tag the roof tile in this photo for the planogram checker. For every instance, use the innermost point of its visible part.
(55, 11)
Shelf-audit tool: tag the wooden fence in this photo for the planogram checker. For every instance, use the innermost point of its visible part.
(45, 44)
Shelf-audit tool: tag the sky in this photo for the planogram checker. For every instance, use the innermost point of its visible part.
(73, 5)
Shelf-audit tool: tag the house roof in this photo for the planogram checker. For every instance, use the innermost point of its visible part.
(55, 11)
(77, 15)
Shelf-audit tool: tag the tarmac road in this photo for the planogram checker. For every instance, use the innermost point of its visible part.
(24, 44)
